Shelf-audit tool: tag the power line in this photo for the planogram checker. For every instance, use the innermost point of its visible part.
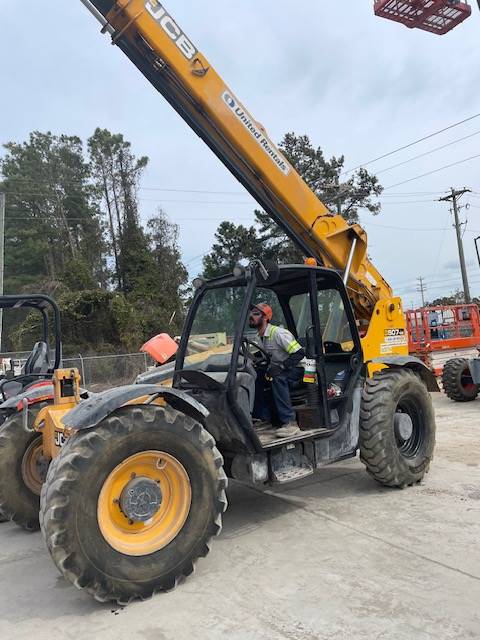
(162, 189)
(219, 202)
(429, 173)
(433, 282)
(427, 153)
(428, 281)
(35, 192)
(411, 144)
(407, 202)
(156, 200)
(199, 257)
(438, 281)
(430, 278)
(384, 226)
(412, 193)
(458, 284)
(69, 219)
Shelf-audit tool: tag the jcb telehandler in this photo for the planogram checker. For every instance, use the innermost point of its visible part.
(136, 487)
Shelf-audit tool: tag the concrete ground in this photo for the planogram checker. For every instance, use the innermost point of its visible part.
(334, 557)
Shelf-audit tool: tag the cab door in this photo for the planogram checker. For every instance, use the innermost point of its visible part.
(327, 328)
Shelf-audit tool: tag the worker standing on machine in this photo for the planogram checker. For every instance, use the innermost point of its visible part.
(283, 369)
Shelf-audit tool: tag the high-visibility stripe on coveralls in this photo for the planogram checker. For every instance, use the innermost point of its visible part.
(279, 343)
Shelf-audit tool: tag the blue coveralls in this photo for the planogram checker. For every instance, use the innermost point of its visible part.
(280, 344)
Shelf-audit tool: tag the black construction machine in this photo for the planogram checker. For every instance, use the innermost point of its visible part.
(45, 357)
(22, 394)
(136, 485)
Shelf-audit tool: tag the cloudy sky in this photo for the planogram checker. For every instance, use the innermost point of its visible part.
(356, 84)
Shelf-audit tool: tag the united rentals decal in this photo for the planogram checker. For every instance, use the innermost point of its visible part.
(260, 136)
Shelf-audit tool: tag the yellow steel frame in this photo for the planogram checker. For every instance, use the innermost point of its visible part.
(49, 419)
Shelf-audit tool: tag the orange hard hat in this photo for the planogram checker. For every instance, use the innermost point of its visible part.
(265, 309)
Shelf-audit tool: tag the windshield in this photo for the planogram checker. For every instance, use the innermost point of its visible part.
(213, 329)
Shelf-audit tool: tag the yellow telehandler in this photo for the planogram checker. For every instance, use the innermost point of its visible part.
(136, 487)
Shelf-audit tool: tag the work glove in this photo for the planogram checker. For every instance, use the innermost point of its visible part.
(274, 370)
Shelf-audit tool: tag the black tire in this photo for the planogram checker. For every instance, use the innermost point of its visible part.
(391, 456)
(70, 497)
(19, 494)
(457, 381)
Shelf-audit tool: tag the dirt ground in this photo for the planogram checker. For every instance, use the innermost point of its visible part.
(333, 557)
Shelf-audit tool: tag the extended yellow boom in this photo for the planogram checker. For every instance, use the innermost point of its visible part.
(156, 44)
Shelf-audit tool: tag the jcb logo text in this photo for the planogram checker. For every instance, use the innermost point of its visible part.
(171, 28)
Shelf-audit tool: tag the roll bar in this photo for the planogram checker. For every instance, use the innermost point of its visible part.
(41, 303)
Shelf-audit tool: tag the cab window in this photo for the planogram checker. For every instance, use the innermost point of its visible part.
(336, 332)
(215, 322)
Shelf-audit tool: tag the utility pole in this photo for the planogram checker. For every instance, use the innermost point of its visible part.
(2, 256)
(453, 198)
(422, 287)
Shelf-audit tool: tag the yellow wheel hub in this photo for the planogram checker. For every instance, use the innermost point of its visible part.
(34, 466)
(144, 503)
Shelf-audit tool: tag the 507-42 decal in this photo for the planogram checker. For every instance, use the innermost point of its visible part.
(393, 338)
(389, 333)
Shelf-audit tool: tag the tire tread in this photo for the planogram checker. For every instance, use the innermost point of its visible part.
(67, 468)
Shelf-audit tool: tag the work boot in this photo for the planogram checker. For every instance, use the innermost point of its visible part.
(261, 425)
(288, 430)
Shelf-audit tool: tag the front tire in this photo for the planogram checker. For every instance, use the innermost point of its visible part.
(129, 506)
(397, 428)
(457, 381)
(22, 471)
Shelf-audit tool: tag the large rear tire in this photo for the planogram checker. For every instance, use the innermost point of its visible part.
(22, 471)
(130, 505)
(457, 381)
(397, 428)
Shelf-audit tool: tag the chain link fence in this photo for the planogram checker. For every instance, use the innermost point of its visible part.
(98, 372)
(103, 372)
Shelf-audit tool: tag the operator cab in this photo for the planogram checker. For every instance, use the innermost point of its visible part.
(219, 353)
(45, 356)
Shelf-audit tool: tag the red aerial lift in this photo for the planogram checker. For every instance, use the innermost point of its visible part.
(436, 16)
(439, 334)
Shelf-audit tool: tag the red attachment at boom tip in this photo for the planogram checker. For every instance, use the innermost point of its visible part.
(436, 16)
